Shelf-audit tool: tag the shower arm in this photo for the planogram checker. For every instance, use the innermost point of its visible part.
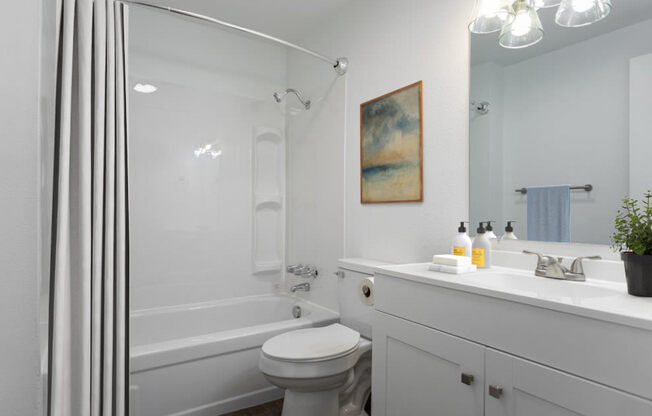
(306, 103)
(340, 65)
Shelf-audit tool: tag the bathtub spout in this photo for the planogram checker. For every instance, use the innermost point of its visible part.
(304, 287)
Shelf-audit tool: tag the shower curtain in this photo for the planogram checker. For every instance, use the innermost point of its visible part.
(88, 345)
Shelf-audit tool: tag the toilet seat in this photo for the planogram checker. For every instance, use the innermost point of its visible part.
(312, 344)
(309, 357)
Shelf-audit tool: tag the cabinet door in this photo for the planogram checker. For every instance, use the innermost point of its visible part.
(530, 389)
(418, 371)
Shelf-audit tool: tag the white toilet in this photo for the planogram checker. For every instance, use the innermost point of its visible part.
(327, 371)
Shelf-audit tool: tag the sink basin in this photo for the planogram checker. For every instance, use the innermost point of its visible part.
(534, 286)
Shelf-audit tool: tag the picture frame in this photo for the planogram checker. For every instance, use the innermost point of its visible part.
(391, 147)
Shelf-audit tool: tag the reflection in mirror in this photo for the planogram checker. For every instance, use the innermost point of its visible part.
(571, 110)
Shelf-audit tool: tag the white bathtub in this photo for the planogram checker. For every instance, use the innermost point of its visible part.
(202, 359)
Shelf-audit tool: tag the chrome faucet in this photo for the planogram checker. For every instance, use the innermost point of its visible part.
(552, 268)
(303, 287)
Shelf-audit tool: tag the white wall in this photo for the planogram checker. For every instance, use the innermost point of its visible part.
(391, 44)
(566, 121)
(316, 175)
(191, 218)
(19, 157)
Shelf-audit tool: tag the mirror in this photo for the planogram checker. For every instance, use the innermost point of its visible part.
(573, 109)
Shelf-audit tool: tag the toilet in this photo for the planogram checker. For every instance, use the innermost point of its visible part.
(327, 371)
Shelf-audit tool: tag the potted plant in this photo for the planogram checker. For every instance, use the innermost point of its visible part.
(633, 238)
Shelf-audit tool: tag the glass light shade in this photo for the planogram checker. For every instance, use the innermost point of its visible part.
(576, 13)
(525, 30)
(491, 15)
(543, 4)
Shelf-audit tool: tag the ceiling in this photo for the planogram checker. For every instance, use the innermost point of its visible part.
(485, 48)
(287, 19)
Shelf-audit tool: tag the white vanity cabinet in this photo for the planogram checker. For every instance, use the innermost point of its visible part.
(438, 351)
(420, 371)
(517, 387)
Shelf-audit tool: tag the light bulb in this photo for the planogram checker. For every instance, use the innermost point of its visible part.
(525, 30)
(491, 15)
(522, 23)
(580, 6)
(577, 13)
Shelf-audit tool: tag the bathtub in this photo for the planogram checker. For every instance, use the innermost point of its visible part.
(202, 359)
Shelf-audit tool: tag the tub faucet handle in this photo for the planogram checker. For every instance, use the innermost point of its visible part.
(293, 268)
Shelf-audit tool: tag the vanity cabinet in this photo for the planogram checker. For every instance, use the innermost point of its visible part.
(419, 371)
(444, 352)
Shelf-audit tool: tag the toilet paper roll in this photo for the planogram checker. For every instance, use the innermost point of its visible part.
(366, 291)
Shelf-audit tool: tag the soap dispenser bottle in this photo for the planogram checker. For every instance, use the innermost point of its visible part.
(490, 231)
(481, 249)
(462, 242)
(509, 232)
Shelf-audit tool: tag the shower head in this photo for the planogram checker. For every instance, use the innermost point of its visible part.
(280, 95)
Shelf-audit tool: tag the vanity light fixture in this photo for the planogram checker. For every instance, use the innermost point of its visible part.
(525, 30)
(491, 15)
(519, 23)
(578, 13)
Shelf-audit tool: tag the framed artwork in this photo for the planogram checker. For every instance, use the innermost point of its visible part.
(391, 147)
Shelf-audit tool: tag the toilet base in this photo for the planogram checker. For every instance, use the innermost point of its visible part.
(319, 403)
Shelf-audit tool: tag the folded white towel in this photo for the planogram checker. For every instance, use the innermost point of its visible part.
(453, 269)
(451, 260)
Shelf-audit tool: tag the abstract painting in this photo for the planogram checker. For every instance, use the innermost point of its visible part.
(391, 147)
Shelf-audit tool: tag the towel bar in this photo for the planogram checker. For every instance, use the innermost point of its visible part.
(587, 188)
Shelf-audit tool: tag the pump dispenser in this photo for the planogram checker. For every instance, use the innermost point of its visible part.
(490, 231)
(509, 232)
(462, 242)
(481, 249)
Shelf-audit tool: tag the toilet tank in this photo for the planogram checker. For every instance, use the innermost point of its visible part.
(354, 313)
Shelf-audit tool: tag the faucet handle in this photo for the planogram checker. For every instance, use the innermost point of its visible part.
(293, 267)
(542, 260)
(577, 266)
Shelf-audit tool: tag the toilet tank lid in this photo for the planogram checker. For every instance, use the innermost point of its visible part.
(361, 265)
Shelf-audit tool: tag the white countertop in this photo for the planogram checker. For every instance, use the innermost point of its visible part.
(597, 299)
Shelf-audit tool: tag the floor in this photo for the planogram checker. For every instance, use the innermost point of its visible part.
(267, 409)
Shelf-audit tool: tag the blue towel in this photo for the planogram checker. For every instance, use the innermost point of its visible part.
(548, 213)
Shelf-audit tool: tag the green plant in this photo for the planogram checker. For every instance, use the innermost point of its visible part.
(634, 226)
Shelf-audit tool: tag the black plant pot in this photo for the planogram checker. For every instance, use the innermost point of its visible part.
(638, 270)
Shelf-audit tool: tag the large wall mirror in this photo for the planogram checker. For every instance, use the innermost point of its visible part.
(573, 109)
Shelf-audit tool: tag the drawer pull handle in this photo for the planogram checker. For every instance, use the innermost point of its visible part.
(495, 391)
(467, 379)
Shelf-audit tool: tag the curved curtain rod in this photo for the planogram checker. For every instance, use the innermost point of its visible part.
(340, 64)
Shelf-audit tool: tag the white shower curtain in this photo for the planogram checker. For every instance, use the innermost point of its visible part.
(88, 346)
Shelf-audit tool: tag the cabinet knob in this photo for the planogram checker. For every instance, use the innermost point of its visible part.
(467, 379)
(495, 391)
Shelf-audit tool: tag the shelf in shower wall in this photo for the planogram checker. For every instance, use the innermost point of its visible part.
(268, 200)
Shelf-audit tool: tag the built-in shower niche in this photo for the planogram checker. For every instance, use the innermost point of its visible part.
(268, 199)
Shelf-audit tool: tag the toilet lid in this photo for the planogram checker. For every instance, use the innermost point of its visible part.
(312, 343)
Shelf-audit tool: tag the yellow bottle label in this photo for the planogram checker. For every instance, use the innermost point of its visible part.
(477, 257)
(459, 251)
